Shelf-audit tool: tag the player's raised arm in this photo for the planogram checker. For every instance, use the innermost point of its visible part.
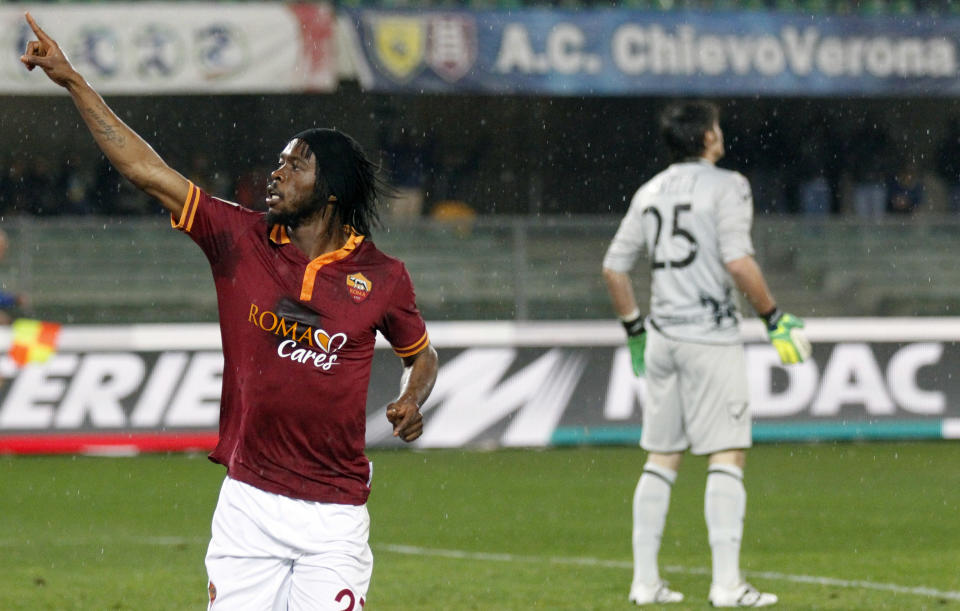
(127, 151)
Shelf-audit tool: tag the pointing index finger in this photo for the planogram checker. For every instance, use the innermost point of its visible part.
(36, 28)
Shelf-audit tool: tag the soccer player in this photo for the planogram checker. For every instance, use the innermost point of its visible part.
(693, 219)
(302, 292)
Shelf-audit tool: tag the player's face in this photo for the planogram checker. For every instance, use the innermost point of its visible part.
(290, 195)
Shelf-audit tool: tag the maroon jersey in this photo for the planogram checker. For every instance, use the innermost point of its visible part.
(298, 338)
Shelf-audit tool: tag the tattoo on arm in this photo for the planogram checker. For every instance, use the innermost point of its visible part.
(104, 128)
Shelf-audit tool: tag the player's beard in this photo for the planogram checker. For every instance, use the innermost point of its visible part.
(294, 218)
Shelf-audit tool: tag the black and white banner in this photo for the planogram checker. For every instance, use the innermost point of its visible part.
(119, 389)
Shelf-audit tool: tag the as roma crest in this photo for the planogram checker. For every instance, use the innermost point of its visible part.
(400, 43)
(359, 286)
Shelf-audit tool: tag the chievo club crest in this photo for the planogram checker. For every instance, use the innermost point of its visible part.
(403, 45)
(399, 43)
(359, 286)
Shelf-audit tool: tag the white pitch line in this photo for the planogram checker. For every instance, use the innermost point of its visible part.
(82, 541)
(413, 550)
(856, 583)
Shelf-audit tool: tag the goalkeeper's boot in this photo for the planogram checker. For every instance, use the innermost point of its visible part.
(744, 595)
(657, 594)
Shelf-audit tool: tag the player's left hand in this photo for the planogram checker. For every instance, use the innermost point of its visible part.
(787, 336)
(406, 419)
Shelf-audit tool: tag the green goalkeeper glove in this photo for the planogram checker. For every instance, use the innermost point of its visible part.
(786, 335)
(637, 343)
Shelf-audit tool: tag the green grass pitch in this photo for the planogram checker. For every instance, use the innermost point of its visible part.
(832, 526)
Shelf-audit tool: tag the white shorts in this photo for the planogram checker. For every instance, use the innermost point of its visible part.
(696, 397)
(270, 552)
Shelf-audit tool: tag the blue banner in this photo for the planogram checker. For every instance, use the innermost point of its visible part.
(618, 52)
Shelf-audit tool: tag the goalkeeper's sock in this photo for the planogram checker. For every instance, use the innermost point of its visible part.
(724, 505)
(650, 503)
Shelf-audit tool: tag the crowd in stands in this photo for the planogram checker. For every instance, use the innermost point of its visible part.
(868, 176)
(528, 156)
(37, 186)
(818, 181)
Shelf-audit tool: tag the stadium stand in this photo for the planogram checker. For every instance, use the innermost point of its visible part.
(520, 168)
(139, 270)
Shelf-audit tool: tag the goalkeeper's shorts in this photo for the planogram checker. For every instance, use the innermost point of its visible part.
(696, 397)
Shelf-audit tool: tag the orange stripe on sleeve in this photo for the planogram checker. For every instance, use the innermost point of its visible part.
(178, 223)
(193, 209)
(413, 348)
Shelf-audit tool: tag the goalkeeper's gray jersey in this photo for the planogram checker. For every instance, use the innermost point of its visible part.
(691, 218)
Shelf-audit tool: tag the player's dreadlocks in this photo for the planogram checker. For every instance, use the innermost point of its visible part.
(344, 172)
(683, 125)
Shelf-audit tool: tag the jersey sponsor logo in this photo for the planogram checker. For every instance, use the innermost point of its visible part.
(323, 345)
(323, 359)
(359, 286)
(212, 591)
(329, 343)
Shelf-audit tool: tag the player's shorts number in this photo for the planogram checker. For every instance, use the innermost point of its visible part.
(347, 597)
(678, 232)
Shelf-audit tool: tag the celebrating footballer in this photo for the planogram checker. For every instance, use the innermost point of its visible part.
(302, 292)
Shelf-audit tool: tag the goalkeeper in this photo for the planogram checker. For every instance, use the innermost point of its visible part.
(693, 221)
